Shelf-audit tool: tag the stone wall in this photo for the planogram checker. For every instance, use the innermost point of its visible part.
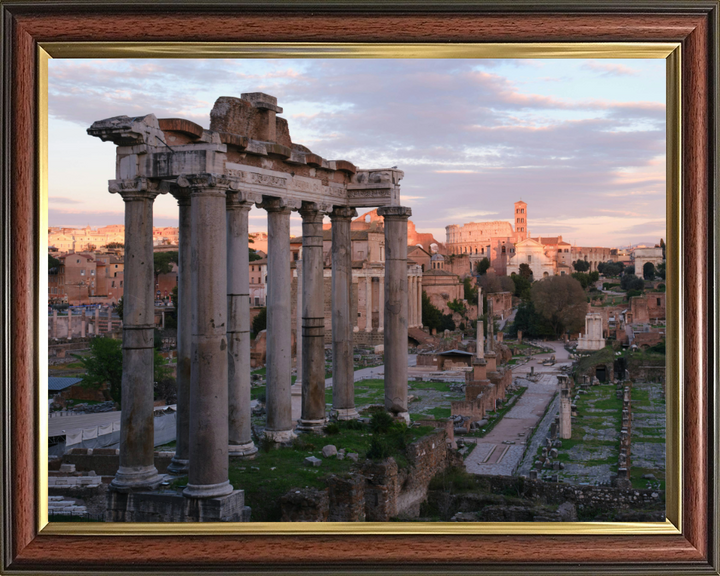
(379, 491)
(492, 491)
(648, 308)
(105, 461)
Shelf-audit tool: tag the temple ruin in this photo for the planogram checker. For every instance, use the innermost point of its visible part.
(245, 159)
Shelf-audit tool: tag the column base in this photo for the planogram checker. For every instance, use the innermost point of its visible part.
(280, 436)
(242, 450)
(208, 490)
(178, 466)
(166, 506)
(404, 416)
(345, 413)
(310, 425)
(296, 389)
(136, 479)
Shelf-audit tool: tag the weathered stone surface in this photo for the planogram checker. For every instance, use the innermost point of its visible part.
(305, 505)
(313, 461)
(329, 451)
(346, 498)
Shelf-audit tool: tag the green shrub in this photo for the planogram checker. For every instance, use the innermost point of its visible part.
(380, 422)
(331, 429)
(351, 425)
(379, 449)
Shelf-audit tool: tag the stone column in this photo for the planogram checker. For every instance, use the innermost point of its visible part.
(342, 323)
(312, 416)
(240, 441)
(208, 474)
(69, 335)
(97, 322)
(413, 301)
(419, 301)
(278, 360)
(83, 321)
(368, 304)
(381, 304)
(297, 386)
(54, 323)
(396, 308)
(480, 343)
(109, 326)
(137, 467)
(180, 462)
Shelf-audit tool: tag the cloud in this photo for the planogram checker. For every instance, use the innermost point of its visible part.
(470, 140)
(607, 69)
(63, 200)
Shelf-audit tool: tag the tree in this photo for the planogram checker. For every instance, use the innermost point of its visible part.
(259, 323)
(470, 289)
(581, 265)
(526, 272)
(631, 282)
(532, 324)
(114, 245)
(594, 276)
(104, 366)
(119, 308)
(662, 245)
(649, 271)
(457, 306)
(661, 270)
(522, 286)
(162, 262)
(253, 255)
(611, 268)
(584, 279)
(561, 300)
(492, 283)
(482, 266)
(53, 262)
(629, 270)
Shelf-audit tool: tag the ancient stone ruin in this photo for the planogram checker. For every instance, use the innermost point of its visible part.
(246, 158)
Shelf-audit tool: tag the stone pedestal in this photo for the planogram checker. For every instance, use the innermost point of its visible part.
(172, 507)
(240, 441)
(208, 474)
(312, 416)
(137, 468)
(279, 360)
(181, 460)
(342, 323)
(396, 309)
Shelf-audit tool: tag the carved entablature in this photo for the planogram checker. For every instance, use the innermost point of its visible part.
(172, 149)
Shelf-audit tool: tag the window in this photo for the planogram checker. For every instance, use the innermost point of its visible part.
(113, 284)
(120, 283)
(503, 249)
(92, 272)
(658, 301)
(82, 272)
(529, 258)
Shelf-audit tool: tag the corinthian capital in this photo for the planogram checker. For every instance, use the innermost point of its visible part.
(395, 212)
(138, 188)
(343, 213)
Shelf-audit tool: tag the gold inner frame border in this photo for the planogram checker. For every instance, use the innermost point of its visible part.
(670, 51)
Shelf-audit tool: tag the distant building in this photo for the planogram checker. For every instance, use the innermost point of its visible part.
(644, 255)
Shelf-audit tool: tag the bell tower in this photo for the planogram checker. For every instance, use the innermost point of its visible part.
(521, 227)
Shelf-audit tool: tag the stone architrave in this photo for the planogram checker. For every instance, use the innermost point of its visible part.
(396, 309)
(312, 416)
(342, 323)
(279, 360)
(181, 460)
(137, 466)
(240, 441)
(208, 474)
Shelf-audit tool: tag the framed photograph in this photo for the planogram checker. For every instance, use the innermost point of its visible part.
(682, 33)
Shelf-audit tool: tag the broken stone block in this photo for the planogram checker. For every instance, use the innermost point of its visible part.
(67, 468)
(353, 456)
(553, 453)
(313, 461)
(329, 450)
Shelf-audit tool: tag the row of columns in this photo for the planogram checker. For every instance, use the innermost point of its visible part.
(84, 323)
(213, 418)
(369, 303)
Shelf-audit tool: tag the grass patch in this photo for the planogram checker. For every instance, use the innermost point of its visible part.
(274, 472)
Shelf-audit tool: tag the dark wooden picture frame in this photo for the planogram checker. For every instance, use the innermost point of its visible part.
(693, 23)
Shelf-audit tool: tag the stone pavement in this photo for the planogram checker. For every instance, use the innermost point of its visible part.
(516, 425)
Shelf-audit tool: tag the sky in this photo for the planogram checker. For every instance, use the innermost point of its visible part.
(581, 141)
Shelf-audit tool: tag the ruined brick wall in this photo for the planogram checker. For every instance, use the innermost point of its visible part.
(502, 303)
(648, 308)
(346, 498)
(305, 505)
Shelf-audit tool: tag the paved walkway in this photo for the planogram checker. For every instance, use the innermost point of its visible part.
(491, 456)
